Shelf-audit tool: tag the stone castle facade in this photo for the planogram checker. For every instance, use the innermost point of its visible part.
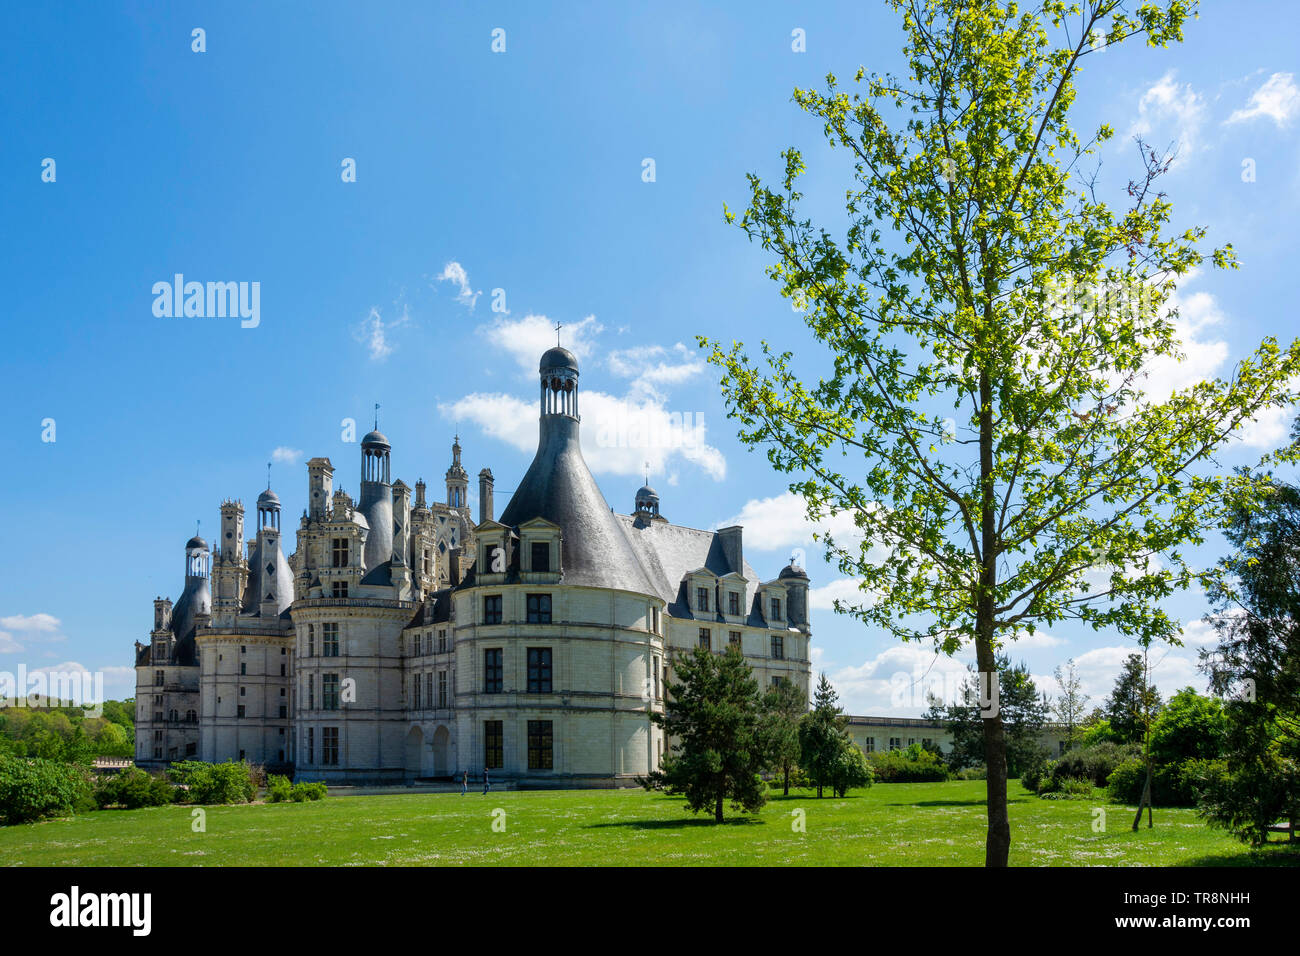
(404, 640)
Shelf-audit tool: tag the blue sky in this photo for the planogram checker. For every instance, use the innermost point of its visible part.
(476, 171)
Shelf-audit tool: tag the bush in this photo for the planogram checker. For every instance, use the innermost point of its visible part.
(1094, 764)
(1172, 785)
(307, 791)
(1031, 777)
(913, 765)
(278, 789)
(133, 788)
(229, 782)
(32, 789)
(980, 772)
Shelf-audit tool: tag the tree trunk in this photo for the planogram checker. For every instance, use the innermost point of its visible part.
(1145, 801)
(997, 844)
(717, 808)
(787, 780)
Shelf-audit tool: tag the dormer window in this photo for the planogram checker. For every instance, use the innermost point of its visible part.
(339, 552)
(701, 599)
(776, 609)
(541, 556)
(733, 603)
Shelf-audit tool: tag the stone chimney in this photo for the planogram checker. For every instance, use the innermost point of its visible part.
(485, 508)
(731, 547)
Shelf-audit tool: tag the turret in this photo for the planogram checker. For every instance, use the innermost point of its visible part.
(320, 485)
(376, 502)
(457, 478)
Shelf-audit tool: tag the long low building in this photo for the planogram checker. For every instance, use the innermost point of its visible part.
(898, 733)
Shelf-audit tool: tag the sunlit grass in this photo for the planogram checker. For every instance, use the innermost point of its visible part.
(931, 824)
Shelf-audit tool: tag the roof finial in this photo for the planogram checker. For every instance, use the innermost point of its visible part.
(197, 525)
(268, 476)
(558, 326)
(376, 416)
(647, 472)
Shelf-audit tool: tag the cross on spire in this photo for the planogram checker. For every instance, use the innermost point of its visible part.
(647, 472)
(376, 416)
(268, 476)
(558, 326)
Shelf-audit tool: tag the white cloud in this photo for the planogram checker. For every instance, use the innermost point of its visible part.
(8, 645)
(1170, 110)
(283, 455)
(1278, 99)
(455, 272)
(525, 339)
(897, 681)
(1171, 670)
(1203, 354)
(847, 590)
(619, 435)
(1199, 634)
(373, 331)
(653, 366)
(42, 623)
(782, 522)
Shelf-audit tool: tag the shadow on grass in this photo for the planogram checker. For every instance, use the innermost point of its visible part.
(950, 803)
(1272, 854)
(677, 824)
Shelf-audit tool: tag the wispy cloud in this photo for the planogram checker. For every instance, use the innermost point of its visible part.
(284, 455)
(454, 272)
(1172, 111)
(373, 331)
(653, 367)
(1277, 99)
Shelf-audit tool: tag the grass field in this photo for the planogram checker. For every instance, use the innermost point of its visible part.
(932, 824)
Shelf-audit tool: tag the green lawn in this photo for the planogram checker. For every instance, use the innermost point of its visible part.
(933, 824)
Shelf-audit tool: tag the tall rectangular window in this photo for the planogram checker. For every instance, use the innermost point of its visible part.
(706, 638)
(540, 745)
(415, 692)
(733, 603)
(339, 553)
(442, 641)
(654, 669)
(329, 746)
(539, 609)
(311, 745)
(493, 671)
(870, 745)
(778, 647)
(701, 599)
(492, 609)
(339, 589)
(311, 692)
(329, 640)
(329, 691)
(157, 678)
(539, 670)
(428, 688)
(541, 555)
(493, 744)
(776, 609)
(442, 688)
(311, 640)
(733, 638)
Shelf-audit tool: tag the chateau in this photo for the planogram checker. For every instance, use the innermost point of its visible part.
(402, 639)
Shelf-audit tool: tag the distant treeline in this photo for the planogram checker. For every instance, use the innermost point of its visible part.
(66, 732)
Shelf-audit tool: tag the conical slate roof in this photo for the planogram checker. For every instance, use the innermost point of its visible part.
(559, 487)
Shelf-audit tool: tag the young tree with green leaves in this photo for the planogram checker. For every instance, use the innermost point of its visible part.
(1132, 702)
(783, 707)
(713, 717)
(1070, 705)
(987, 319)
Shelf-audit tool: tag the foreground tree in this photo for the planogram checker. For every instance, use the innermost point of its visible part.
(1256, 665)
(988, 319)
(784, 706)
(713, 716)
